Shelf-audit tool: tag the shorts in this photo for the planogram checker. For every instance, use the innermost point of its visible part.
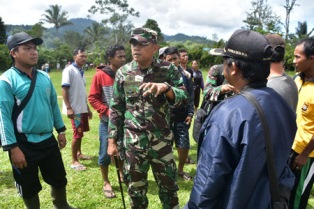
(103, 158)
(45, 156)
(79, 125)
(181, 134)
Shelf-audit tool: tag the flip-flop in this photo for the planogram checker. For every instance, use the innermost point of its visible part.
(110, 192)
(185, 176)
(84, 157)
(78, 167)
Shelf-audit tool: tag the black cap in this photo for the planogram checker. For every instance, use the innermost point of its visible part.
(246, 45)
(21, 38)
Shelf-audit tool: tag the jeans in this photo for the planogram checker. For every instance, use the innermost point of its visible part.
(103, 158)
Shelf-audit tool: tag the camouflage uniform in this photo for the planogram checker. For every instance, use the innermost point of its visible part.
(147, 135)
(213, 84)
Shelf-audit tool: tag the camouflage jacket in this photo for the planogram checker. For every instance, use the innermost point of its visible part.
(138, 115)
(213, 84)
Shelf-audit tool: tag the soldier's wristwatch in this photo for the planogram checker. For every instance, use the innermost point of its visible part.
(168, 87)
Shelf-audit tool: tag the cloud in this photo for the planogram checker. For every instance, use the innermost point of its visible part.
(191, 17)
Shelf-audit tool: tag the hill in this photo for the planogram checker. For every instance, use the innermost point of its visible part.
(80, 24)
(183, 38)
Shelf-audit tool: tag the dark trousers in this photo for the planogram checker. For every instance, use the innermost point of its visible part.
(45, 156)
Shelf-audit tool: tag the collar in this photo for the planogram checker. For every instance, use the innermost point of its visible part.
(78, 67)
(25, 74)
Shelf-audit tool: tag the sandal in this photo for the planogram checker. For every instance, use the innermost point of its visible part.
(189, 161)
(78, 167)
(109, 193)
(185, 176)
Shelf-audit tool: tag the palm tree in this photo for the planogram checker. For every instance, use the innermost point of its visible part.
(55, 16)
(95, 32)
(301, 30)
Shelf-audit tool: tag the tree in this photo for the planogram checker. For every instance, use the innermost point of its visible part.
(5, 61)
(3, 35)
(301, 30)
(74, 40)
(37, 30)
(152, 24)
(118, 11)
(95, 32)
(289, 7)
(262, 19)
(55, 16)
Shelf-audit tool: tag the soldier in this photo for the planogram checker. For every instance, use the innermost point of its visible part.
(142, 92)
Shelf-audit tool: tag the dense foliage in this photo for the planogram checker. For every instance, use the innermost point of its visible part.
(95, 37)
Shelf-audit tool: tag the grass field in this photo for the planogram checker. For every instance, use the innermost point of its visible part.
(85, 187)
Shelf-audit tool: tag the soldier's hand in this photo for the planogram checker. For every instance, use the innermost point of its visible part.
(112, 148)
(153, 88)
(226, 88)
(18, 158)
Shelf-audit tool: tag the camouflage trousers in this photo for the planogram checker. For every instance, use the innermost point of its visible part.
(137, 163)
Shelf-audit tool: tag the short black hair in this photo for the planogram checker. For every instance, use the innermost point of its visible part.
(308, 46)
(252, 71)
(111, 51)
(171, 50)
(182, 50)
(78, 50)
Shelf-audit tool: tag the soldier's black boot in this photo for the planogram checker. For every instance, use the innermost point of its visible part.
(32, 203)
(59, 199)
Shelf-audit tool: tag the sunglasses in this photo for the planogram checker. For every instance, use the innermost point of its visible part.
(138, 31)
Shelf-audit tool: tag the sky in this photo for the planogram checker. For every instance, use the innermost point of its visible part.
(191, 17)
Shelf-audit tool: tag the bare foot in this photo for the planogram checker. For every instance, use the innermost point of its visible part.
(83, 157)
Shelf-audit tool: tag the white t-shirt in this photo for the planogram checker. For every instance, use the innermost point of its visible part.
(74, 78)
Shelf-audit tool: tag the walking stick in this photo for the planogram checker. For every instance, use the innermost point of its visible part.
(120, 183)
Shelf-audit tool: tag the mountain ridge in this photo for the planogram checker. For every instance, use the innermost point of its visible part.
(80, 24)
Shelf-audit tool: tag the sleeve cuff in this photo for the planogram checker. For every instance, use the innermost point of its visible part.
(8, 147)
(61, 129)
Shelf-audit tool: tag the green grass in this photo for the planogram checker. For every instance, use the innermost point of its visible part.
(85, 187)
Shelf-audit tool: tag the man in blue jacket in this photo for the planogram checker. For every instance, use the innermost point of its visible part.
(28, 137)
(232, 168)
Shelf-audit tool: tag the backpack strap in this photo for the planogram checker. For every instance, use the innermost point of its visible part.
(18, 109)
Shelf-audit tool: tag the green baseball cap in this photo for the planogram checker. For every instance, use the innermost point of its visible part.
(143, 35)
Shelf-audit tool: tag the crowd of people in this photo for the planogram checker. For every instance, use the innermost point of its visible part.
(146, 107)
